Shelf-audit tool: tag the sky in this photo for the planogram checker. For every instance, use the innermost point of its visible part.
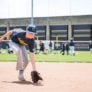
(44, 8)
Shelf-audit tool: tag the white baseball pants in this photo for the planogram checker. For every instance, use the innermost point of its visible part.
(21, 53)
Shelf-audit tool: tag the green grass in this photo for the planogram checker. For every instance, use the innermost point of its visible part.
(4, 56)
(80, 56)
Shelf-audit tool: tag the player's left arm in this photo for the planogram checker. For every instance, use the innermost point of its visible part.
(35, 75)
(32, 58)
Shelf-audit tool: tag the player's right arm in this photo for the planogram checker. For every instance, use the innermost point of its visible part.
(5, 35)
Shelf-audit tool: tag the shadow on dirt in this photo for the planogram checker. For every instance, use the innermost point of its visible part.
(24, 83)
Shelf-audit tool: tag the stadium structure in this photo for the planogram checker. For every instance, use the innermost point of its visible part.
(58, 29)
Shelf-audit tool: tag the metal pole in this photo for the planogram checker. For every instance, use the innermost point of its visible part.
(47, 26)
(32, 19)
(70, 22)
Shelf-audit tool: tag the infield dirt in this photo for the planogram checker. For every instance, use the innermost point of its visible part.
(58, 77)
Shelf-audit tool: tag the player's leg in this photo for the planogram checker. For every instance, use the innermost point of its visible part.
(73, 51)
(90, 50)
(24, 56)
(17, 49)
(70, 50)
(24, 62)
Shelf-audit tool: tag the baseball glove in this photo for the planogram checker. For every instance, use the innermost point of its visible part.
(35, 76)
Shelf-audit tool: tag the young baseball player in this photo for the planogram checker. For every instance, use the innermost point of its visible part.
(18, 41)
(72, 48)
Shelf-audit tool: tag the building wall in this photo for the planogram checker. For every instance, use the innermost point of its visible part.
(48, 21)
(46, 25)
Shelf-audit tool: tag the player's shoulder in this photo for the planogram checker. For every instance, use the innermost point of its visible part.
(17, 30)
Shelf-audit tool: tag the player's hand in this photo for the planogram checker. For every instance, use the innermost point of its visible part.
(35, 76)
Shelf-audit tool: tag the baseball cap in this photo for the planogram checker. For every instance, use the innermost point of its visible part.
(31, 28)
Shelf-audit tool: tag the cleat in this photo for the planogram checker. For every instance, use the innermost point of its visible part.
(21, 78)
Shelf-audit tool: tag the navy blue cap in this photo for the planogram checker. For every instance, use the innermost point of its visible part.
(31, 28)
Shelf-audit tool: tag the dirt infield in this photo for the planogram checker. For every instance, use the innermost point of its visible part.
(58, 77)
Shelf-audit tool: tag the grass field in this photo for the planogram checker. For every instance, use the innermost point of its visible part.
(80, 56)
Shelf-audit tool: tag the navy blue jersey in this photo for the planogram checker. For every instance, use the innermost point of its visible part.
(72, 43)
(20, 38)
(90, 45)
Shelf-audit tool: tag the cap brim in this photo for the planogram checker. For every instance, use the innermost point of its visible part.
(33, 32)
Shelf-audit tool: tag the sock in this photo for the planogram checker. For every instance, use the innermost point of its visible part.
(21, 72)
